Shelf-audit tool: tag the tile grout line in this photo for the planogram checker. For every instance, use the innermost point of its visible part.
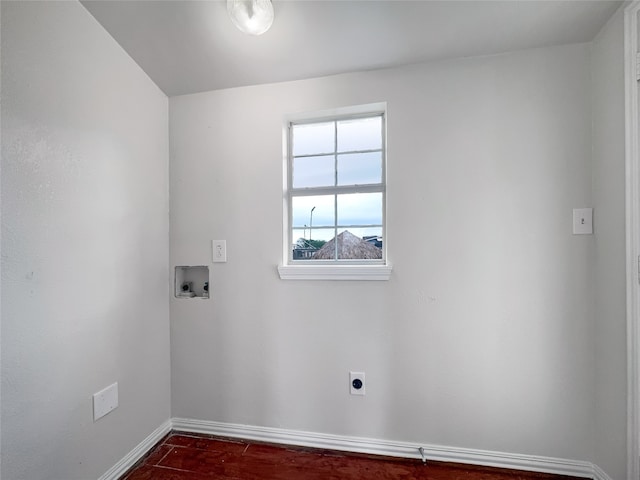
(171, 447)
(174, 469)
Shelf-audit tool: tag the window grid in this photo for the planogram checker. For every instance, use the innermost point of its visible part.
(336, 189)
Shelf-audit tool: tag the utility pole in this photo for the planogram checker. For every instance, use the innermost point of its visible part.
(311, 222)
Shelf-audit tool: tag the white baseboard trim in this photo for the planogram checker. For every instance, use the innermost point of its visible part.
(372, 446)
(129, 460)
(599, 474)
(394, 449)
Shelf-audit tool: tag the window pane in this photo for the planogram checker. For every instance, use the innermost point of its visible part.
(369, 234)
(360, 168)
(313, 138)
(360, 209)
(322, 234)
(351, 246)
(303, 248)
(315, 211)
(323, 242)
(314, 171)
(301, 235)
(360, 134)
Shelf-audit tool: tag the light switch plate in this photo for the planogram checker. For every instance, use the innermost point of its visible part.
(105, 401)
(219, 251)
(582, 221)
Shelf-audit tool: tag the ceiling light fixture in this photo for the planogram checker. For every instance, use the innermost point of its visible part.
(251, 16)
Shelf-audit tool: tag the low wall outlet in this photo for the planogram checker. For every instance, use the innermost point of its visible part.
(356, 383)
(105, 401)
(582, 221)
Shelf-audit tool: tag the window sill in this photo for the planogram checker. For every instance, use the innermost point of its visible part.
(335, 272)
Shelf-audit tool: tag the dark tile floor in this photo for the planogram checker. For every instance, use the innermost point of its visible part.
(199, 457)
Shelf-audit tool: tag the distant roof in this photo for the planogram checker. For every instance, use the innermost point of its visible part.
(349, 247)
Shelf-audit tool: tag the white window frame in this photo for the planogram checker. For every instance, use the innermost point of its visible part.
(332, 269)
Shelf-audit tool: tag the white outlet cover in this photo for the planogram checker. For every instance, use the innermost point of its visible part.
(359, 376)
(582, 221)
(219, 251)
(105, 401)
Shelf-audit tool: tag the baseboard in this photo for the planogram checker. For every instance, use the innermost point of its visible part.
(372, 446)
(599, 474)
(129, 460)
(395, 449)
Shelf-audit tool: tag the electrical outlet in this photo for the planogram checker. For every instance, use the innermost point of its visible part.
(356, 383)
(219, 251)
(105, 401)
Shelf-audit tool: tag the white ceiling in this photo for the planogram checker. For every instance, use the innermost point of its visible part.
(192, 46)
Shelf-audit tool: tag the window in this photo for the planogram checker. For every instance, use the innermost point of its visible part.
(335, 194)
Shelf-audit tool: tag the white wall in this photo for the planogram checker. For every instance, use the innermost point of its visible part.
(85, 245)
(610, 278)
(0, 247)
(484, 336)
